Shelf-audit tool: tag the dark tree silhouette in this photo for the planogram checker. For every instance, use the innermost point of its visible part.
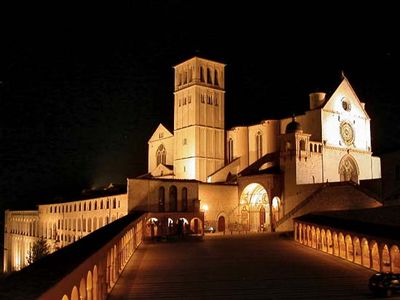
(39, 249)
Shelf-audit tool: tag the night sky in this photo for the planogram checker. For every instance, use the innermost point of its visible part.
(83, 88)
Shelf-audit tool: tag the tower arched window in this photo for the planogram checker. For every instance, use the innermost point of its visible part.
(209, 79)
(201, 74)
(259, 145)
(161, 155)
(230, 150)
(216, 78)
(190, 75)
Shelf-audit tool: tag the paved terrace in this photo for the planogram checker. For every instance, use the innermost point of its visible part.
(254, 266)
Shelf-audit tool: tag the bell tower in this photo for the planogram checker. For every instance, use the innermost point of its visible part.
(199, 118)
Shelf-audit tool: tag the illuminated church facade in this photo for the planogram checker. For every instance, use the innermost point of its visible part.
(248, 178)
(256, 177)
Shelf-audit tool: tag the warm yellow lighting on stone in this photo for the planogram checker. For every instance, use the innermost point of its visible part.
(204, 207)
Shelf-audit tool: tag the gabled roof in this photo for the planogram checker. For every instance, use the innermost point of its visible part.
(161, 129)
(256, 167)
(162, 170)
(345, 89)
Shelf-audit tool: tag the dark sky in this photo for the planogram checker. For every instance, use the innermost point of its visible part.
(83, 88)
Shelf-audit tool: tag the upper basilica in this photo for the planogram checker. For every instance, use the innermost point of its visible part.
(259, 175)
(330, 142)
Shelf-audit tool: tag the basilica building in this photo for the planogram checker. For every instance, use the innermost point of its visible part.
(256, 177)
(206, 177)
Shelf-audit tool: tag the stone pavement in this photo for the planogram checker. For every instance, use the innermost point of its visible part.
(252, 266)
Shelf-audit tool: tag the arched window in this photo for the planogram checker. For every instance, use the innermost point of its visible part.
(184, 199)
(216, 77)
(209, 80)
(185, 77)
(311, 148)
(259, 145)
(161, 199)
(302, 145)
(190, 75)
(230, 150)
(315, 148)
(348, 169)
(173, 198)
(161, 155)
(201, 74)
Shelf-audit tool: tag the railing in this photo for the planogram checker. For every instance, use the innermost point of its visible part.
(87, 269)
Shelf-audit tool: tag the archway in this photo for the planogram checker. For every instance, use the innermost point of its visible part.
(173, 198)
(395, 258)
(95, 286)
(349, 248)
(329, 242)
(89, 286)
(342, 246)
(255, 208)
(196, 226)
(335, 244)
(348, 169)
(366, 256)
(357, 250)
(276, 209)
(221, 224)
(375, 257)
(74, 293)
(313, 238)
(82, 289)
(385, 259)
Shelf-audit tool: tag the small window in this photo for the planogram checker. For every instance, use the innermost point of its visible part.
(302, 145)
(209, 80)
(184, 141)
(190, 99)
(201, 74)
(161, 135)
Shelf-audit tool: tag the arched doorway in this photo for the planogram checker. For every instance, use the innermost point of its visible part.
(255, 208)
(348, 169)
(221, 224)
(173, 199)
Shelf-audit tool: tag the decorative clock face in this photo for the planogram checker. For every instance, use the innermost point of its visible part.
(347, 133)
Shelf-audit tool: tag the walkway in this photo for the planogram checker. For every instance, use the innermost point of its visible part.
(254, 266)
